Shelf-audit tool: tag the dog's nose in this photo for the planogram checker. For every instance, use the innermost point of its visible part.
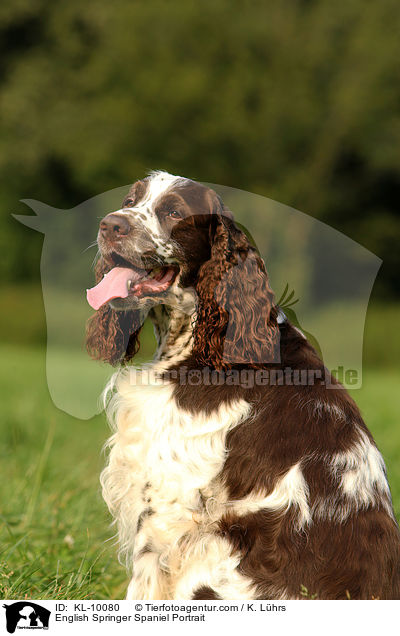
(113, 226)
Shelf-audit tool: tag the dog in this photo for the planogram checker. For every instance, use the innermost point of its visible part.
(221, 489)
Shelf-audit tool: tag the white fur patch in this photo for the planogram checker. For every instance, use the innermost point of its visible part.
(322, 407)
(362, 472)
(143, 211)
(291, 490)
(161, 458)
(363, 483)
(208, 560)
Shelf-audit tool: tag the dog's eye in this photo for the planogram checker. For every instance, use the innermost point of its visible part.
(174, 214)
(128, 203)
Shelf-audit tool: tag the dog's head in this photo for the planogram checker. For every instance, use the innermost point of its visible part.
(173, 242)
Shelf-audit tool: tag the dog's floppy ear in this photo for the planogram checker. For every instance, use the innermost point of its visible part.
(236, 319)
(112, 336)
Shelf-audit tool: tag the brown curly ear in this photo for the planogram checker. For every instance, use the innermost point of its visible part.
(236, 321)
(112, 336)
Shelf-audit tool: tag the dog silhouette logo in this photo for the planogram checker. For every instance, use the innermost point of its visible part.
(26, 615)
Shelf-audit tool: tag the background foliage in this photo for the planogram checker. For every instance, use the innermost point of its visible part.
(297, 100)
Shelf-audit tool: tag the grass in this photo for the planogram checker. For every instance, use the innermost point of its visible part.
(55, 533)
(54, 527)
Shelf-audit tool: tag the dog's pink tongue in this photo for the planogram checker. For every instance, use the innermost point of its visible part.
(113, 285)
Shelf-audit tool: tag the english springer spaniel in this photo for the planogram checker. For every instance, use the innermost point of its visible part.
(223, 488)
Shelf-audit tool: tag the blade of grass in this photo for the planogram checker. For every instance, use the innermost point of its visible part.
(30, 510)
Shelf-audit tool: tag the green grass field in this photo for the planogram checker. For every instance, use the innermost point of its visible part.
(55, 533)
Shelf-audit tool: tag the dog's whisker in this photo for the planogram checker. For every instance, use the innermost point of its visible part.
(90, 246)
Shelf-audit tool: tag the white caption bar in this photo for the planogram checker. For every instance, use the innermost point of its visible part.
(170, 617)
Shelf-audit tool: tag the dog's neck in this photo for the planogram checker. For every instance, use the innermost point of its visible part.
(174, 333)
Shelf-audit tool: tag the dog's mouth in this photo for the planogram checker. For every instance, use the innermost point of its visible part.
(126, 279)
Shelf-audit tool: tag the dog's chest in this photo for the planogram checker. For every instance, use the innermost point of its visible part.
(163, 459)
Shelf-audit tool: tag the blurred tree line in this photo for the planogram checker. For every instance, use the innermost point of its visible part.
(297, 100)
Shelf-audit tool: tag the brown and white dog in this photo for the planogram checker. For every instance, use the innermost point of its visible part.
(223, 490)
